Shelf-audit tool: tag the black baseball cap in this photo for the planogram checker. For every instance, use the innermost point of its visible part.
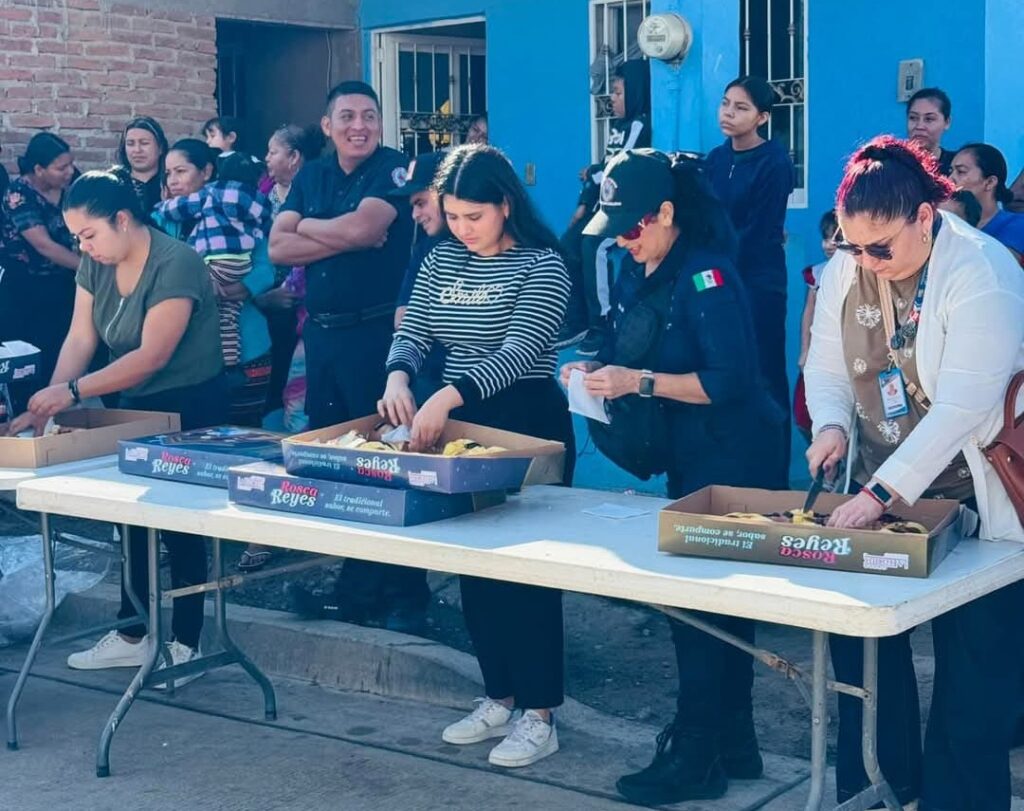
(636, 182)
(420, 175)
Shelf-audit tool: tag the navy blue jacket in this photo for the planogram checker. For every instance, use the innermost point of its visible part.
(421, 247)
(754, 185)
(710, 332)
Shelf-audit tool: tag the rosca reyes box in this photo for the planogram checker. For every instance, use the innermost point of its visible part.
(18, 361)
(468, 458)
(768, 527)
(202, 456)
(271, 487)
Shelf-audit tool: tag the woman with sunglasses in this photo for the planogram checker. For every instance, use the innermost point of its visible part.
(918, 328)
(696, 361)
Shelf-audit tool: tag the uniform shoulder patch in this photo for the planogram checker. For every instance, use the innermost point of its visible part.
(708, 279)
(399, 176)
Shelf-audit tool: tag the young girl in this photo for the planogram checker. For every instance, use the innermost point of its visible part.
(493, 297)
(230, 218)
(828, 226)
(753, 177)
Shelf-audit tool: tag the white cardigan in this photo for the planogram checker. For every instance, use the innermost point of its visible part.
(970, 342)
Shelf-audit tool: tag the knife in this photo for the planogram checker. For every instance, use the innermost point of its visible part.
(816, 487)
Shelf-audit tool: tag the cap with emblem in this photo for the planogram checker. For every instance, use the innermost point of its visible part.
(420, 174)
(636, 182)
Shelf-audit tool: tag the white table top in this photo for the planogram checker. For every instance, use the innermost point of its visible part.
(543, 537)
(11, 477)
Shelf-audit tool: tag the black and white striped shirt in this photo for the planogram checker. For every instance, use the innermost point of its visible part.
(495, 316)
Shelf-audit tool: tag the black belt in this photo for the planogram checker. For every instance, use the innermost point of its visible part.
(353, 319)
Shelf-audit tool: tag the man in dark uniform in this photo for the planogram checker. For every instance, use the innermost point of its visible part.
(353, 236)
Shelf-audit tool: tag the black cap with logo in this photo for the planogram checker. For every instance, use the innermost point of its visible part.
(636, 182)
(420, 174)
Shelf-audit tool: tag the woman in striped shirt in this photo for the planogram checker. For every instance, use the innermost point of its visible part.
(494, 298)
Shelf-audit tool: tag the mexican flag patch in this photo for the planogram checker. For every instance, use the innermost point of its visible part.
(707, 279)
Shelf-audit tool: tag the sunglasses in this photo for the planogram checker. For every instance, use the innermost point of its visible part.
(876, 250)
(638, 229)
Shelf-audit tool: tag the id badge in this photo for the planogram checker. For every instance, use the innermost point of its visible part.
(894, 394)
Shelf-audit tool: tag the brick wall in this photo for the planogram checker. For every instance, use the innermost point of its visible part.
(82, 68)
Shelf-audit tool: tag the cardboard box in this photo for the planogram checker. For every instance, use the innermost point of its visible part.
(202, 456)
(18, 361)
(695, 525)
(271, 487)
(102, 429)
(526, 461)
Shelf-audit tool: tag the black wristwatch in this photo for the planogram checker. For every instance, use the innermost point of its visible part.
(880, 494)
(73, 388)
(646, 383)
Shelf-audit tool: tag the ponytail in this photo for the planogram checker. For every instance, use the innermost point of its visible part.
(701, 219)
(991, 163)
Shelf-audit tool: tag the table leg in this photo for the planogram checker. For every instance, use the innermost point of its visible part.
(37, 641)
(269, 697)
(819, 722)
(153, 648)
(869, 732)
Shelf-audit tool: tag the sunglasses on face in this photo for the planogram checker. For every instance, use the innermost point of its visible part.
(876, 250)
(638, 229)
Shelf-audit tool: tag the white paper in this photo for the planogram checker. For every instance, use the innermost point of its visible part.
(609, 510)
(399, 434)
(580, 402)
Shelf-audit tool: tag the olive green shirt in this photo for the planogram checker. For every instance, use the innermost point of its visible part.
(173, 270)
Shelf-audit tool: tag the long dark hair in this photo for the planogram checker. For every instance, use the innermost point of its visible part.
(888, 178)
(701, 219)
(992, 164)
(480, 173)
(42, 150)
(150, 125)
(103, 195)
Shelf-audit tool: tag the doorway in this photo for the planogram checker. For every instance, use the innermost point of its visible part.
(432, 82)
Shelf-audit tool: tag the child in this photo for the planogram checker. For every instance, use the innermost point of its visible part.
(223, 135)
(230, 217)
(828, 226)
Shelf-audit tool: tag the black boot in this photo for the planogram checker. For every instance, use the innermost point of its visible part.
(741, 755)
(686, 766)
(312, 605)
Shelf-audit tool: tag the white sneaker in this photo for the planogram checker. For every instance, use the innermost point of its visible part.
(490, 719)
(111, 651)
(179, 655)
(532, 739)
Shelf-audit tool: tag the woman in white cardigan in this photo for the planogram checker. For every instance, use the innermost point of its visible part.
(918, 328)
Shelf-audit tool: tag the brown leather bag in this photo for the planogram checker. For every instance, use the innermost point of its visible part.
(1006, 453)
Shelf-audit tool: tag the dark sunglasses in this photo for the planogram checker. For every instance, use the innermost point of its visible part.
(638, 229)
(875, 250)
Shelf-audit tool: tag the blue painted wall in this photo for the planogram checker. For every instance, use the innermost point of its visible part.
(538, 57)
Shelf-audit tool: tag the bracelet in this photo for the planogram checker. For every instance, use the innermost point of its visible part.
(73, 388)
(833, 426)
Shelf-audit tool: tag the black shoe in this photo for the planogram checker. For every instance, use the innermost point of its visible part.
(686, 766)
(569, 335)
(741, 755)
(592, 344)
(406, 621)
(311, 605)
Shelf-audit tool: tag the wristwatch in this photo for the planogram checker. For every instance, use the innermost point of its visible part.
(879, 493)
(646, 383)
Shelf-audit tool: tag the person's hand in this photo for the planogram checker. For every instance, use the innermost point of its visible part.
(397, 406)
(51, 401)
(612, 382)
(280, 298)
(584, 174)
(585, 366)
(25, 422)
(828, 450)
(429, 422)
(860, 511)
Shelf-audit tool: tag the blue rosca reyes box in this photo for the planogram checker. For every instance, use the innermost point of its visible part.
(202, 456)
(18, 361)
(270, 486)
(522, 460)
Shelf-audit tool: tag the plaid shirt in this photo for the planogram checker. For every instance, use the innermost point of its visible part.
(228, 217)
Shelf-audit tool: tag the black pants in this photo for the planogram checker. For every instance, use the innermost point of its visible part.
(768, 310)
(344, 379)
(577, 315)
(283, 326)
(716, 678)
(45, 304)
(199, 406)
(517, 629)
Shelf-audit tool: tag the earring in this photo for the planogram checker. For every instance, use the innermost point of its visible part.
(925, 239)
